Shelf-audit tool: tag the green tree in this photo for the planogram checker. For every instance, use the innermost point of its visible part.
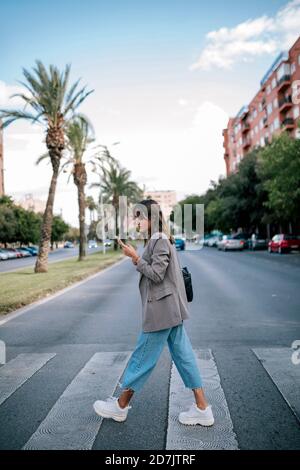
(80, 136)
(59, 229)
(52, 103)
(8, 224)
(279, 168)
(115, 182)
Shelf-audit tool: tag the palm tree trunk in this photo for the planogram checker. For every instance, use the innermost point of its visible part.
(80, 180)
(41, 265)
(82, 236)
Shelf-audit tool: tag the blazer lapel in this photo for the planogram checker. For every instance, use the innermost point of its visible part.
(145, 256)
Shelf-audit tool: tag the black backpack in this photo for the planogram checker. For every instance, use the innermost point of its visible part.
(187, 278)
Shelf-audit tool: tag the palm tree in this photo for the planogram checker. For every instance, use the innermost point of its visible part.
(80, 136)
(52, 103)
(91, 205)
(116, 182)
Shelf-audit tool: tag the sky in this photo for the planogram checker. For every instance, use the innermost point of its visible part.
(167, 75)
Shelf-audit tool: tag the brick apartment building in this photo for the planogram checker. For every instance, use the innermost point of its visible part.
(1, 163)
(166, 199)
(271, 111)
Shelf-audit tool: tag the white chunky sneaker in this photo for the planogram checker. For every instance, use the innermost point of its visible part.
(110, 408)
(197, 416)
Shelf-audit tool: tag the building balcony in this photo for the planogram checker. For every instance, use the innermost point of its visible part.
(288, 123)
(285, 103)
(245, 127)
(246, 143)
(284, 82)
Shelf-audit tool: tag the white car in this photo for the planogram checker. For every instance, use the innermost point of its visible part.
(3, 255)
(93, 244)
(227, 242)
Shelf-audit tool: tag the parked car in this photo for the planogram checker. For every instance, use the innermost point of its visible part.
(92, 244)
(32, 249)
(25, 253)
(3, 255)
(258, 242)
(284, 243)
(244, 236)
(213, 241)
(68, 245)
(107, 242)
(16, 253)
(207, 239)
(10, 254)
(179, 243)
(228, 242)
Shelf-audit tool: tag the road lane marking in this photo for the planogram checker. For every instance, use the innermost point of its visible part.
(285, 375)
(17, 371)
(182, 437)
(72, 422)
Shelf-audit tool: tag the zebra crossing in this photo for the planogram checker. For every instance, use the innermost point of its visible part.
(71, 423)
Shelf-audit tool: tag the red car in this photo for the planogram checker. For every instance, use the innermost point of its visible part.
(283, 243)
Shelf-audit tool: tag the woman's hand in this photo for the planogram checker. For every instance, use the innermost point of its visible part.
(130, 251)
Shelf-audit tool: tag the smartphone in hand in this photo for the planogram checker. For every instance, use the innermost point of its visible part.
(120, 242)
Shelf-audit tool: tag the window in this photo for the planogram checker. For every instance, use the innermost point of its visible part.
(260, 107)
(296, 112)
(283, 70)
(275, 103)
(270, 108)
(272, 128)
(276, 123)
(293, 68)
(274, 83)
(299, 59)
(256, 129)
(261, 124)
(268, 89)
(262, 141)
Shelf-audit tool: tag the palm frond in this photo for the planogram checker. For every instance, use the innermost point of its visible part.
(42, 157)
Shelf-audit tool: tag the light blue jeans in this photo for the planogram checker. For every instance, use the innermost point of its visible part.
(148, 350)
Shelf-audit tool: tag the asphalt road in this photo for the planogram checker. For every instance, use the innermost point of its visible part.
(58, 254)
(242, 302)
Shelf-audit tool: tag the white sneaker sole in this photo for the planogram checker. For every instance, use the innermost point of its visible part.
(101, 413)
(195, 421)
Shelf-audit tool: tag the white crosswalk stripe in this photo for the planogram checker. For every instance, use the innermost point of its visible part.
(17, 371)
(221, 434)
(284, 373)
(72, 422)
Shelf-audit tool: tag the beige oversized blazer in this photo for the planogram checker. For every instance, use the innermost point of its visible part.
(161, 285)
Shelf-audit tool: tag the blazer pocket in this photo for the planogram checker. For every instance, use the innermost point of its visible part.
(159, 294)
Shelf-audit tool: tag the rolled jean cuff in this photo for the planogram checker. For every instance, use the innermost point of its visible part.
(124, 387)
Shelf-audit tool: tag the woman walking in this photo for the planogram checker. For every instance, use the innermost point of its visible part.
(164, 307)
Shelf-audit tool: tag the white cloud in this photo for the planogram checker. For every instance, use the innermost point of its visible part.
(183, 102)
(252, 38)
(5, 93)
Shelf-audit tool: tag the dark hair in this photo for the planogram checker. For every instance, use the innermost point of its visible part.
(146, 209)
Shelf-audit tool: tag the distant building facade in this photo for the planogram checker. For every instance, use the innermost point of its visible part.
(166, 200)
(28, 202)
(272, 110)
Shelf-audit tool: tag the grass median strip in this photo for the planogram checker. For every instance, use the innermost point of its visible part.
(22, 287)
